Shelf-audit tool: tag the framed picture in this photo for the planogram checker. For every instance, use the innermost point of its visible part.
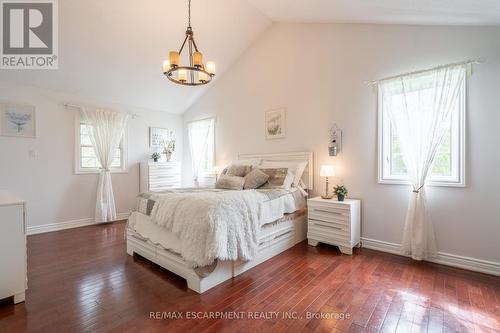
(17, 120)
(275, 124)
(158, 135)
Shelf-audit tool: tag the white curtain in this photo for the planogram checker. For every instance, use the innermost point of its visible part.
(420, 107)
(106, 131)
(199, 133)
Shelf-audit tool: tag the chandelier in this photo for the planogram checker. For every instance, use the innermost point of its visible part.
(195, 73)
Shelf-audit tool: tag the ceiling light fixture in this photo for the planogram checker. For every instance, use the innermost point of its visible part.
(194, 74)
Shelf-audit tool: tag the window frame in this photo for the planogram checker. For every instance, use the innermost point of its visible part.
(209, 173)
(79, 170)
(458, 157)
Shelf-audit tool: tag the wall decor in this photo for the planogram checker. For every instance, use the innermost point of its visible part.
(275, 123)
(158, 136)
(17, 120)
(335, 145)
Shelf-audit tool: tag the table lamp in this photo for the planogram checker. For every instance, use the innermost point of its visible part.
(327, 171)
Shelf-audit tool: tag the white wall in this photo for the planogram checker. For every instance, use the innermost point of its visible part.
(317, 71)
(47, 180)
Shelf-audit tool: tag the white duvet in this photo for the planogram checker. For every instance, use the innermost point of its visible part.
(212, 225)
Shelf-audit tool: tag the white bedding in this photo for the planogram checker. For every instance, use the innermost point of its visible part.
(288, 202)
(212, 224)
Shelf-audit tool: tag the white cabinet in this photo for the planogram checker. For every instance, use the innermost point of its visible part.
(159, 176)
(334, 222)
(13, 280)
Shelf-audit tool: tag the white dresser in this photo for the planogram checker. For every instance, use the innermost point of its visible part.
(159, 176)
(13, 280)
(334, 222)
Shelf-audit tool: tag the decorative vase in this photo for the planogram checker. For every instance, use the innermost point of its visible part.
(340, 197)
(168, 156)
(155, 159)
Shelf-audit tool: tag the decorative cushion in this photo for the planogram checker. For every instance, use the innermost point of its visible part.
(278, 178)
(238, 170)
(297, 168)
(230, 182)
(255, 178)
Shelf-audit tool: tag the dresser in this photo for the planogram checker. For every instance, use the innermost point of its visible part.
(334, 222)
(13, 279)
(159, 176)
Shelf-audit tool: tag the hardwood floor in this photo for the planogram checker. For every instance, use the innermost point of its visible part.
(82, 280)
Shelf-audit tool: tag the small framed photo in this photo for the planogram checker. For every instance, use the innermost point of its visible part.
(17, 120)
(157, 136)
(275, 123)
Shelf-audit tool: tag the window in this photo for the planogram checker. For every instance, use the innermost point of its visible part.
(202, 147)
(448, 165)
(86, 159)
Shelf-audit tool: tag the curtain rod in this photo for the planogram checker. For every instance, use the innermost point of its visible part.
(467, 62)
(74, 106)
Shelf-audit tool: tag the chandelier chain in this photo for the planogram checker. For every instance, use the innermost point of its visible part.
(189, 13)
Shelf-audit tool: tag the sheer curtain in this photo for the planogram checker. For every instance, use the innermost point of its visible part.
(106, 131)
(199, 133)
(420, 108)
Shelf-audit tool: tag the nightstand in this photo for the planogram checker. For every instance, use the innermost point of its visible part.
(334, 222)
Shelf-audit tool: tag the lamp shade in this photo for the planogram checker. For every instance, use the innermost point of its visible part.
(327, 171)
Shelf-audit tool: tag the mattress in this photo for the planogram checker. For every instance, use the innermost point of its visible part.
(150, 231)
(275, 204)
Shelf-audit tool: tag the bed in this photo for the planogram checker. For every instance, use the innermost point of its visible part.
(281, 224)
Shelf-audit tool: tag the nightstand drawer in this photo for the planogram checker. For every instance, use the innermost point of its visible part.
(329, 239)
(329, 228)
(333, 215)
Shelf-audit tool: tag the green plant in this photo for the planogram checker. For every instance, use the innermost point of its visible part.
(340, 190)
(156, 156)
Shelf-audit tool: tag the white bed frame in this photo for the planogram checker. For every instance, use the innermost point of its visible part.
(284, 236)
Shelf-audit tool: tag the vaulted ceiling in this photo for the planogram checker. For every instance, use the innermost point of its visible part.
(432, 12)
(112, 50)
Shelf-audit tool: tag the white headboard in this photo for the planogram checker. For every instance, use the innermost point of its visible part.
(307, 177)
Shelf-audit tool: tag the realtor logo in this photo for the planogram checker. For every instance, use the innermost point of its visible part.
(29, 34)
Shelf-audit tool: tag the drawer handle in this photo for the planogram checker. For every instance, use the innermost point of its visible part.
(326, 211)
(327, 225)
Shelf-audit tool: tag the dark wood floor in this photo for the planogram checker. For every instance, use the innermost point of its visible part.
(82, 280)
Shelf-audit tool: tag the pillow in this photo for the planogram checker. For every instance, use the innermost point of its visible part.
(252, 162)
(230, 182)
(297, 168)
(238, 170)
(278, 177)
(255, 178)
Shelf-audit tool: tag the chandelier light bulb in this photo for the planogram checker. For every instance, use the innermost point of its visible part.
(166, 66)
(211, 67)
(174, 58)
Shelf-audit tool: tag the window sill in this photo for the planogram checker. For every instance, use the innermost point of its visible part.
(429, 183)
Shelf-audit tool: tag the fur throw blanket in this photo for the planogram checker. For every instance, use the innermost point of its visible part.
(211, 225)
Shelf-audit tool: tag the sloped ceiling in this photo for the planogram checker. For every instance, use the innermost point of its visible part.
(432, 12)
(112, 50)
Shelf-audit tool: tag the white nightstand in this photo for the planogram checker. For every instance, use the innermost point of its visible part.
(334, 222)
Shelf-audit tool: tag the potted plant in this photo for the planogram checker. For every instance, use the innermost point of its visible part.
(156, 156)
(168, 148)
(340, 191)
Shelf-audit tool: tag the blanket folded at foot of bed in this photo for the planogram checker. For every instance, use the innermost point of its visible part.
(212, 224)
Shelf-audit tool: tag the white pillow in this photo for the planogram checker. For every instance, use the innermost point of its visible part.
(297, 168)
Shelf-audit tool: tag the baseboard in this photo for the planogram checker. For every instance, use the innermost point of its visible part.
(40, 229)
(447, 259)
